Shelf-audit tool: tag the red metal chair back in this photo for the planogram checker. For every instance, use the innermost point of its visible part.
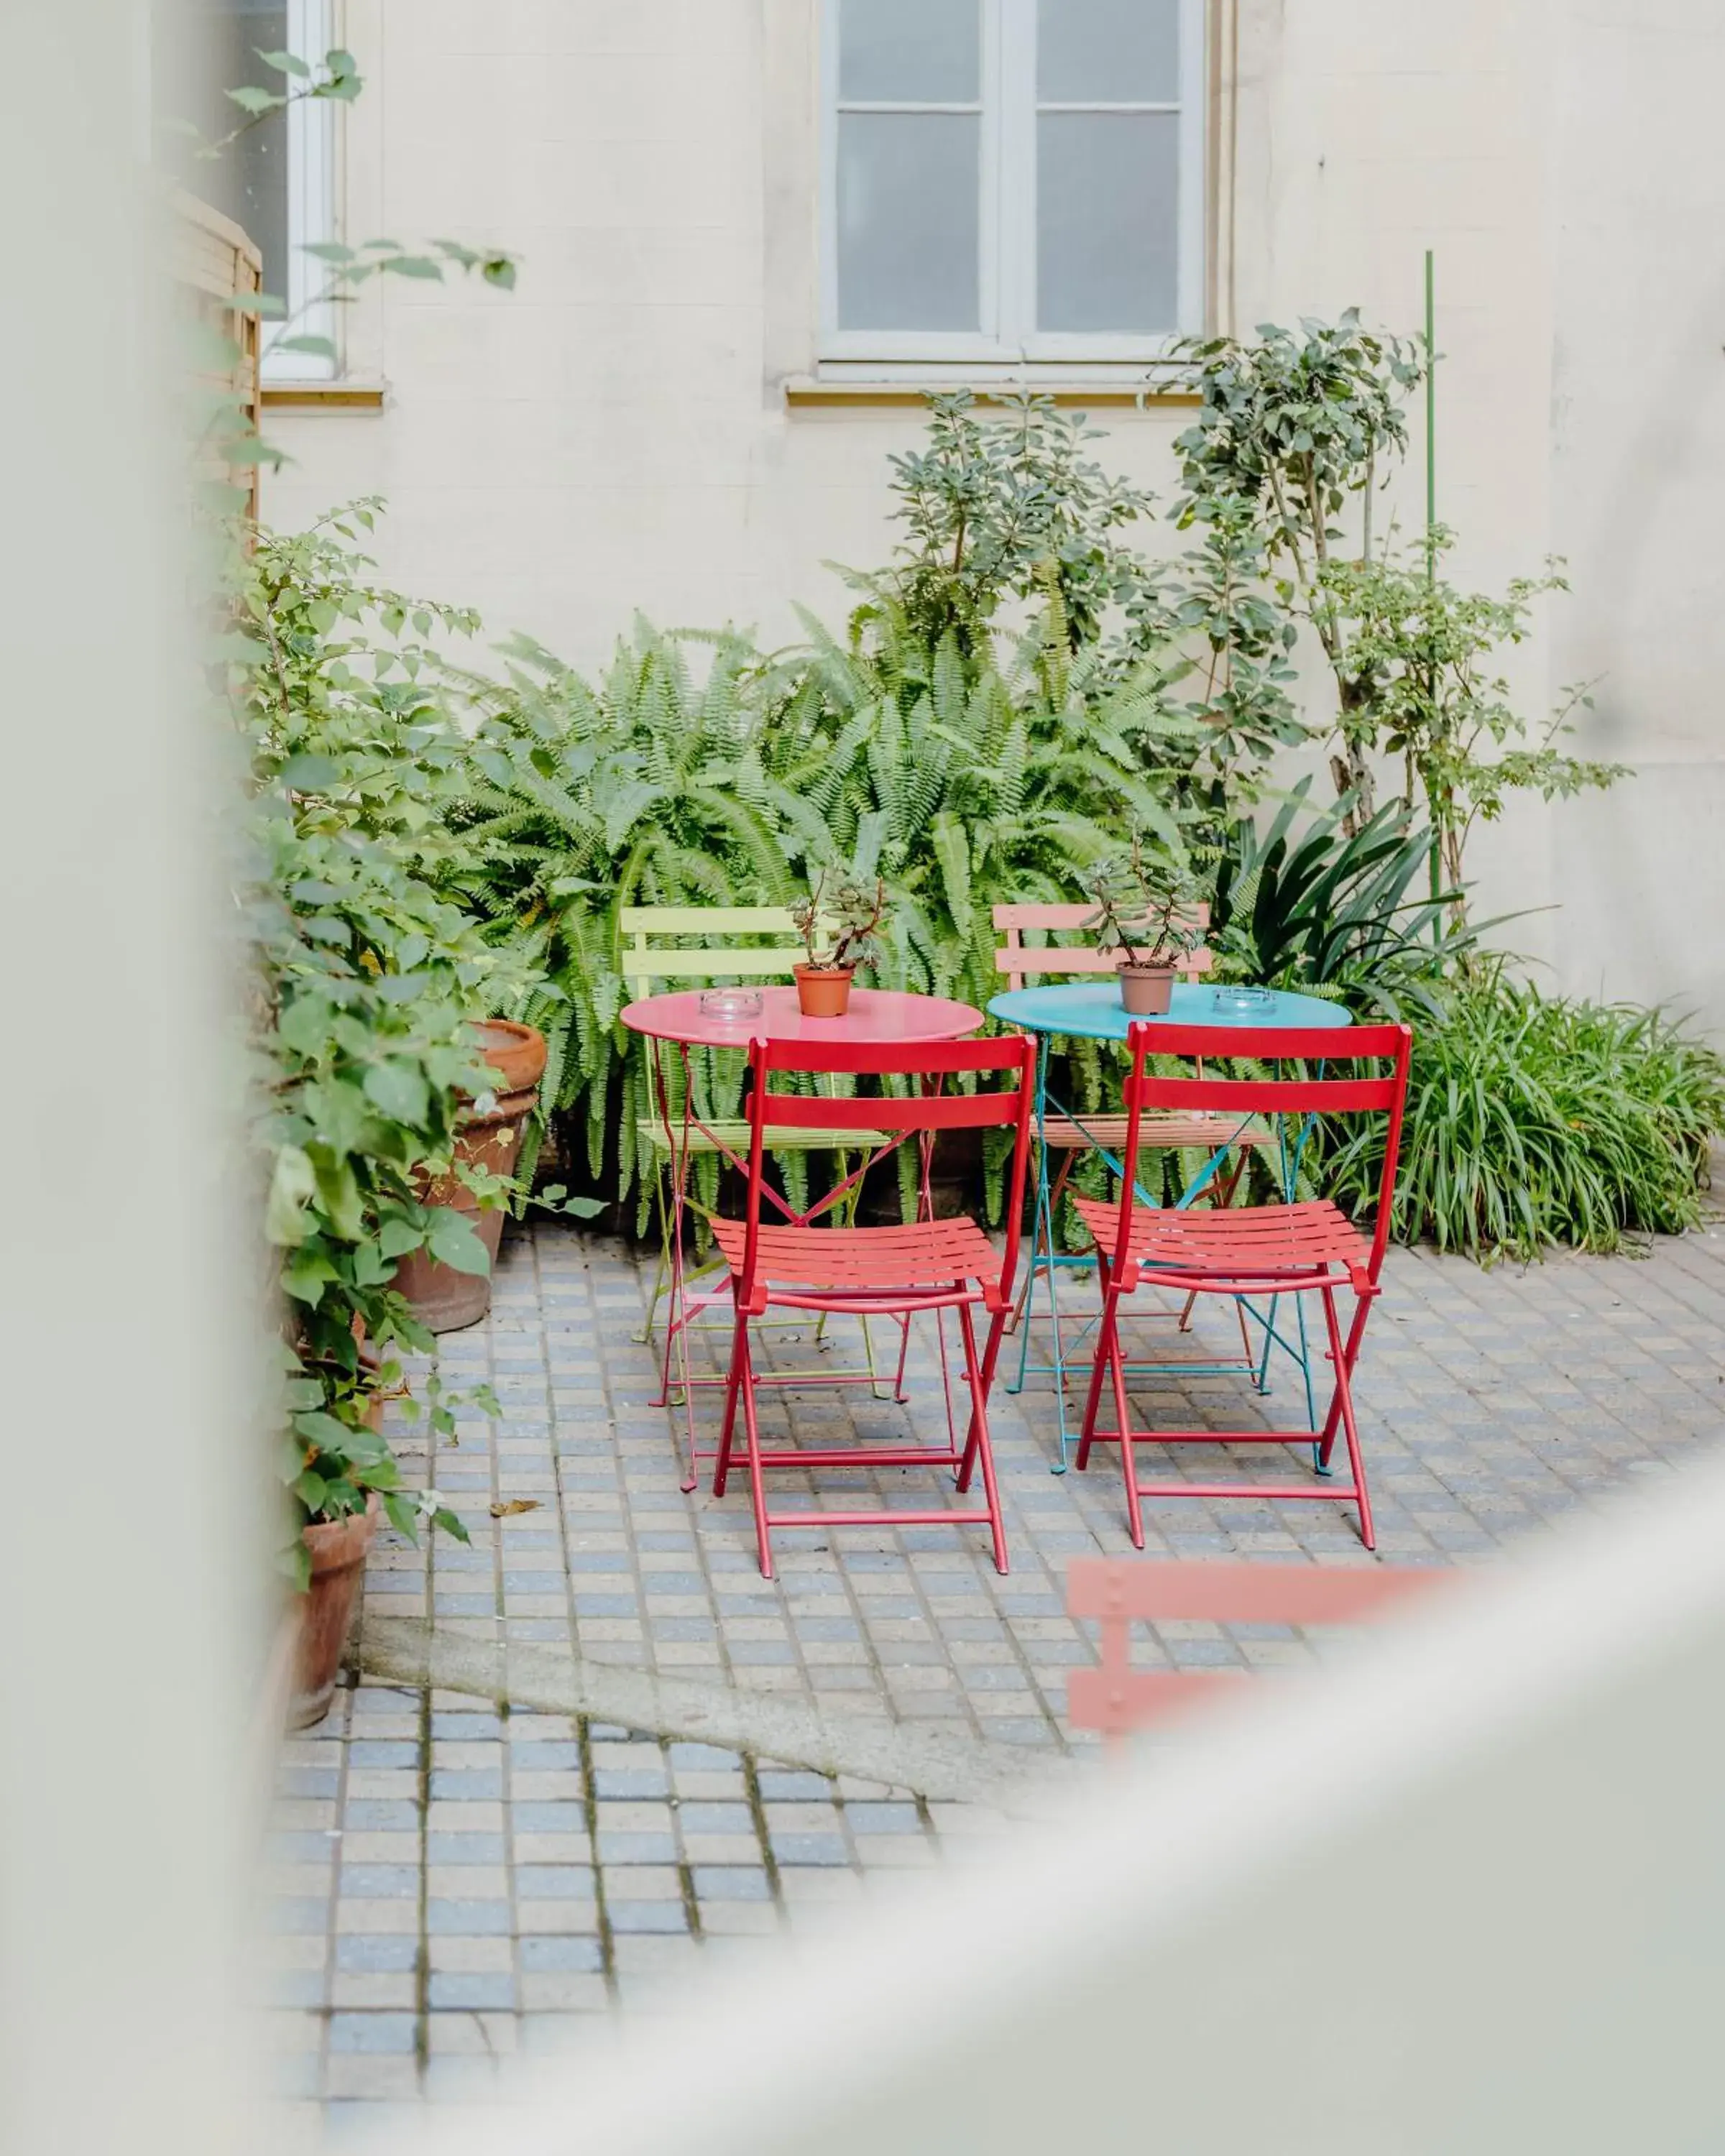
(1199, 1091)
(1011, 1107)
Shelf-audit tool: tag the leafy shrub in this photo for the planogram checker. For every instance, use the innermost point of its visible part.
(1534, 1120)
(367, 981)
(1008, 508)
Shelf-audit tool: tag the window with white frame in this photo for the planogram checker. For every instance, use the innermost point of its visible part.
(1012, 180)
(276, 178)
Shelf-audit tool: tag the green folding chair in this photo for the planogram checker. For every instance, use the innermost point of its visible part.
(669, 946)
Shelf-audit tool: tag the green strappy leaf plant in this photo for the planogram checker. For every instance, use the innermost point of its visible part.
(1302, 903)
(1534, 1120)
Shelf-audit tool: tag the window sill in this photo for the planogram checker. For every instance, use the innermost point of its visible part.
(1088, 388)
(322, 396)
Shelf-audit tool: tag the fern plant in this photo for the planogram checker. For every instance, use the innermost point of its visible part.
(970, 778)
(648, 788)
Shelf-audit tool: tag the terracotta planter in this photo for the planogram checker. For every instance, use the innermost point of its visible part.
(1146, 991)
(338, 1550)
(444, 1299)
(823, 991)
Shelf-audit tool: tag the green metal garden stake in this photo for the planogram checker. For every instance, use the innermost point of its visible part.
(1437, 878)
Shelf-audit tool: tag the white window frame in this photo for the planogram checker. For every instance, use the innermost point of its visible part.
(1006, 270)
(311, 209)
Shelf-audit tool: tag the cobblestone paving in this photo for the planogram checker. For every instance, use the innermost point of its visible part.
(449, 1882)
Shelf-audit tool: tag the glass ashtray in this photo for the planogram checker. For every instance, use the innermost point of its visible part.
(730, 1006)
(1243, 1003)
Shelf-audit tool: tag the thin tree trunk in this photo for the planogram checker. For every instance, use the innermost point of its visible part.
(1348, 765)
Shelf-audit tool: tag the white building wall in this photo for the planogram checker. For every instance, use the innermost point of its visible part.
(614, 437)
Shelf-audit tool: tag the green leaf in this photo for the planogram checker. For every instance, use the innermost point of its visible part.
(338, 1187)
(399, 1088)
(452, 1241)
(306, 1277)
(396, 1237)
(321, 347)
(311, 1489)
(293, 1185)
(249, 98)
(311, 773)
(402, 1517)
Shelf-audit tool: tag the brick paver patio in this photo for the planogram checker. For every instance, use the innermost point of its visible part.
(556, 1781)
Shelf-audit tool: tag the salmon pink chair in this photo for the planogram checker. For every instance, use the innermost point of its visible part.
(924, 1265)
(1307, 1248)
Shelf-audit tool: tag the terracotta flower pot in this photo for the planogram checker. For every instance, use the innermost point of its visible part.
(444, 1299)
(1146, 991)
(823, 991)
(338, 1550)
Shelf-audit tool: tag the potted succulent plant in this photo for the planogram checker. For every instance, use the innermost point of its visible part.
(1148, 913)
(839, 928)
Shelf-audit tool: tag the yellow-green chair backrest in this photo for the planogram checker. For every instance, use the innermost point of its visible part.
(648, 970)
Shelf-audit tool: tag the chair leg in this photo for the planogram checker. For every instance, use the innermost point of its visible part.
(662, 1268)
(1002, 1324)
(1117, 1364)
(721, 1464)
(900, 1397)
(1326, 1440)
(1245, 1338)
(671, 1232)
(758, 1480)
(1093, 1400)
(1042, 1242)
(977, 1441)
(1343, 1404)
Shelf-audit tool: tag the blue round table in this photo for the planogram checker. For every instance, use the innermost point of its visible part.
(1091, 1010)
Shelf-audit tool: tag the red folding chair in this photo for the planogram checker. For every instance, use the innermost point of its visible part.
(1246, 1250)
(925, 1264)
(1116, 1698)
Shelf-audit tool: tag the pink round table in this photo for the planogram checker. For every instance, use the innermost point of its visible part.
(877, 1016)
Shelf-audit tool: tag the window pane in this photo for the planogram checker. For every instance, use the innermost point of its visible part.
(1108, 51)
(1107, 216)
(910, 51)
(249, 181)
(908, 206)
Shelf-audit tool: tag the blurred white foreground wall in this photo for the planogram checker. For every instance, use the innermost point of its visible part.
(1466, 1894)
(126, 1573)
